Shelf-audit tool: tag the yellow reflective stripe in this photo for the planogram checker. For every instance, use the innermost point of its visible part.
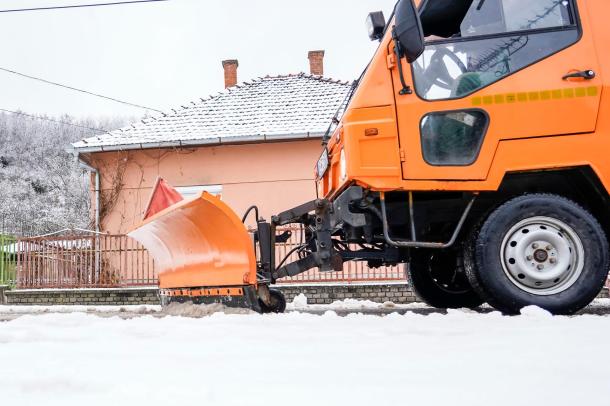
(535, 96)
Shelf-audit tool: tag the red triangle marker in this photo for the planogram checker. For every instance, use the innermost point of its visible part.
(162, 197)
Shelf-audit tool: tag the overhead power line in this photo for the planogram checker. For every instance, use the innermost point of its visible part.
(78, 90)
(115, 3)
(19, 113)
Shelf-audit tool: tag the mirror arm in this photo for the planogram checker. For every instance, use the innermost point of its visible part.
(406, 89)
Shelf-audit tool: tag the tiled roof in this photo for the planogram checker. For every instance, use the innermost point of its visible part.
(273, 107)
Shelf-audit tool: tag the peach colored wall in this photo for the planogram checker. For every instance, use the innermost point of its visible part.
(274, 176)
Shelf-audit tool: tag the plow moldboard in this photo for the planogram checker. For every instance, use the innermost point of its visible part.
(199, 242)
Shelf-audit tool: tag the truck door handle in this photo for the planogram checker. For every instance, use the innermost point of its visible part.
(583, 74)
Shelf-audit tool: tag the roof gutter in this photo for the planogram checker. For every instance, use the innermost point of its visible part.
(197, 143)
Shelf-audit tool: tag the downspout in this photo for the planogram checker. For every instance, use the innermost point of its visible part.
(98, 257)
(96, 190)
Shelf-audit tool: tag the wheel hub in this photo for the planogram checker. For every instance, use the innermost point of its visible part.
(542, 255)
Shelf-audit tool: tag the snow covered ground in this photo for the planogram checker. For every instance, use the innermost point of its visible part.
(461, 358)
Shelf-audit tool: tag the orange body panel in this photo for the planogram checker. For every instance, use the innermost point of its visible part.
(199, 243)
(565, 124)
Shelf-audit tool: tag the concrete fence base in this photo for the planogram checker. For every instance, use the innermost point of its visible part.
(399, 293)
(316, 294)
(110, 296)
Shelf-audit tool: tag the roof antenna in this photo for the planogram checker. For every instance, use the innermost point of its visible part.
(480, 5)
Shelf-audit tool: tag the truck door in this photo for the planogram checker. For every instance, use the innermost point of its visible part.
(494, 70)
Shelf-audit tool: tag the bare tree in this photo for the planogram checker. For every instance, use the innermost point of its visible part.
(42, 188)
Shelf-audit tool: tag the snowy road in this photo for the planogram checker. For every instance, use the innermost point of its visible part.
(461, 358)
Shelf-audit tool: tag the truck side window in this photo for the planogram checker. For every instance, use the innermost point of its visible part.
(454, 137)
(488, 41)
(498, 16)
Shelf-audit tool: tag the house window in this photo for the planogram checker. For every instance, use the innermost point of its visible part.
(189, 192)
(476, 46)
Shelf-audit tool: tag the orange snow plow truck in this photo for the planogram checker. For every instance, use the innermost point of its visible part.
(475, 148)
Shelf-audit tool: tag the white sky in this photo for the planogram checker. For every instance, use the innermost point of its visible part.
(169, 53)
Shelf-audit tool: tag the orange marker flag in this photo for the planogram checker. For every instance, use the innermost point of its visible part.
(163, 196)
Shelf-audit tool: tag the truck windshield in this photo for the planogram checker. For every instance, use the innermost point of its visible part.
(487, 40)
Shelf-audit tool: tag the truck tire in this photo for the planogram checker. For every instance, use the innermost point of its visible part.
(538, 249)
(438, 278)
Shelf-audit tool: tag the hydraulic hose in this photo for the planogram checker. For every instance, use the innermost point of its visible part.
(247, 213)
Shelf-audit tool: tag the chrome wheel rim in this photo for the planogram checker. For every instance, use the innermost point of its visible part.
(542, 255)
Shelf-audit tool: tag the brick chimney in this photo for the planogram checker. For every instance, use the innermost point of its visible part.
(316, 62)
(230, 68)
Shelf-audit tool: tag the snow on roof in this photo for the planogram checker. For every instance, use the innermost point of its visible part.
(274, 107)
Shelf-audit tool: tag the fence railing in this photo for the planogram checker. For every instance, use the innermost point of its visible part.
(103, 260)
(82, 261)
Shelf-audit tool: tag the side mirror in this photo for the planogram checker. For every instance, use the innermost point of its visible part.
(375, 23)
(408, 30)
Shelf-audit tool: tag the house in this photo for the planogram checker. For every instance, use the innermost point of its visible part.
(254, 143)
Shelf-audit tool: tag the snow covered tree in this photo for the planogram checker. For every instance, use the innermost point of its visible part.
(42, 187)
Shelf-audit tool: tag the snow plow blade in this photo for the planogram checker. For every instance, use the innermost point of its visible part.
(202, 251)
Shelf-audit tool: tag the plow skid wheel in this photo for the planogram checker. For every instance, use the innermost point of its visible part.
(199, 242)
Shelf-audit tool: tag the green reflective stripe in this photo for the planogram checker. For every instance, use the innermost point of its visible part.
(536, 96)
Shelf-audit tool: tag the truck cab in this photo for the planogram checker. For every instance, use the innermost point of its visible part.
(473, 148)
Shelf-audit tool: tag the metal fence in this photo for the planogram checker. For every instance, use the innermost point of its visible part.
(82, 261)
(88, 260)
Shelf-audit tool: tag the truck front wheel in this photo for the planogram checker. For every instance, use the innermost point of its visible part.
(438, 278)
(538, 249)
